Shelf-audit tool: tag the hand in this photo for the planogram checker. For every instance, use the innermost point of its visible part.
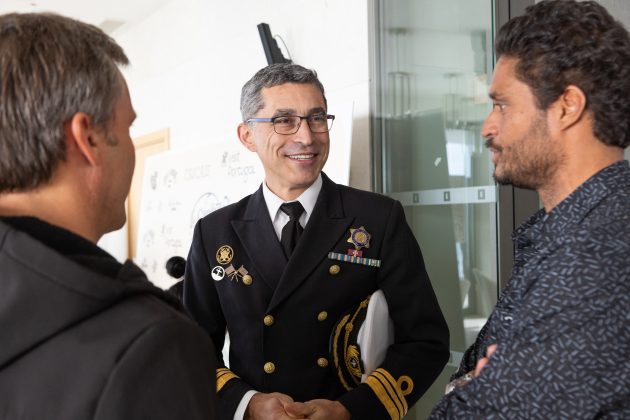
(318, 410)
(268, 407)
(464, 379)
(484, 360)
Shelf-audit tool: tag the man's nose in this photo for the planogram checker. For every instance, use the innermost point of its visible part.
(304, 134)
(489, 129)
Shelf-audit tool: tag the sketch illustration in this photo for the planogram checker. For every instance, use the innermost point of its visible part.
(181, 187)
(206, 204)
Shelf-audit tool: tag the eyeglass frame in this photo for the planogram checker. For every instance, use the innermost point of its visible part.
(273, 124)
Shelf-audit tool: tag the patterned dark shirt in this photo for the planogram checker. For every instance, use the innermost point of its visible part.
(562, 324)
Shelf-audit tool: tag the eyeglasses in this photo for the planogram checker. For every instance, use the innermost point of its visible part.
(290, 124)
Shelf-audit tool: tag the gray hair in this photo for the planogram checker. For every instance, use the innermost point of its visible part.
(51, 67)
(274, 75)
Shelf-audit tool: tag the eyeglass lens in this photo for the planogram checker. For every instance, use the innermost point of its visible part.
(291, 124)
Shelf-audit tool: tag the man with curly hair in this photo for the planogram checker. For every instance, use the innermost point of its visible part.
(557, 344)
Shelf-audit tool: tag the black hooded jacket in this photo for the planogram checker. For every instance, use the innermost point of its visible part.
(85, 337)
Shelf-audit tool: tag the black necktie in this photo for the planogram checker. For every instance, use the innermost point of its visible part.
(292, 230)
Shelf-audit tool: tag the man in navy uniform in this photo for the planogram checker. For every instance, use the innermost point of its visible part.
(278, 268)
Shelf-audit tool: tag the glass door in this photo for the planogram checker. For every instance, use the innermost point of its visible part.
(433, 69)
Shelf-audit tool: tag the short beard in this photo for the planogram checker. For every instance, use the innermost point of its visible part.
(534, 159)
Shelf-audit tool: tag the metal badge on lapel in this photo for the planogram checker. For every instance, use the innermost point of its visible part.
(360, 238)
(235, 274)
(225, 254)
(217, 273)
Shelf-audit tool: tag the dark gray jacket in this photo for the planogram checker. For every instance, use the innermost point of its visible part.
(76, 343)
(562, 324)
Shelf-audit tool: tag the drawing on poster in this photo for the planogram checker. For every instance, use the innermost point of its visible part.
(180, 188)
(206, 204)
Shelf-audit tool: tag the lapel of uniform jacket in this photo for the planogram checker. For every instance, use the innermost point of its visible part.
(323, 230)
(258, 237)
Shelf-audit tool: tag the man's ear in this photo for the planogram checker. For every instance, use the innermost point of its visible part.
(570, 107)
(246, 136)
(80, 133)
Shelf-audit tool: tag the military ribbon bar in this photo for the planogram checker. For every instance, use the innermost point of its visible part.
(352, 259)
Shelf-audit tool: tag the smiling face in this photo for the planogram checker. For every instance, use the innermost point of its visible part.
(292, 162)
(517, 133)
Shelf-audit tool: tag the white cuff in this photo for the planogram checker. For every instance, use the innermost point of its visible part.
(239, 414)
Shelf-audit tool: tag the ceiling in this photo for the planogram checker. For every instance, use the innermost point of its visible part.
(109, 15)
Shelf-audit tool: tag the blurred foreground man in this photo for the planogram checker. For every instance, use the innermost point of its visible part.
(557, 345)
(81, 335)
(279, 268)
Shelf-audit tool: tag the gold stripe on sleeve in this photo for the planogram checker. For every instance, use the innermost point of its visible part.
(397, 385)
(223, 377)
(405, 384)
(381, 393)
(392, 387)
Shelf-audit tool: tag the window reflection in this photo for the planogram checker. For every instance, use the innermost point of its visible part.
(435, 67)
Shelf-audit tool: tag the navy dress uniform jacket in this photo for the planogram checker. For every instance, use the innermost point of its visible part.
(280, 318)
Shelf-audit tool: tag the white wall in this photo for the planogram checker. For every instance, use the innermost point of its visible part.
(190, 58)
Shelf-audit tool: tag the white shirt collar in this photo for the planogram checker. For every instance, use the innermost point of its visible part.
(307, 199)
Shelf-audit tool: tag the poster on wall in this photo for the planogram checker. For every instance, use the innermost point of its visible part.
(179, 188)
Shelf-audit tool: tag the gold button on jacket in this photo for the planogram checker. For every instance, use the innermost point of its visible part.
(269, 320)
(269, 367)
(334, 269)
(322, 362)
(322, 316)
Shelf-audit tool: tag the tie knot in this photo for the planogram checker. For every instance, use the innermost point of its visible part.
(294, 210)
